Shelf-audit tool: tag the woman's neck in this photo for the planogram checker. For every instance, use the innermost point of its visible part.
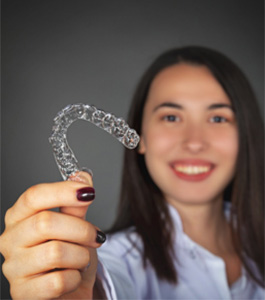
(206, 225)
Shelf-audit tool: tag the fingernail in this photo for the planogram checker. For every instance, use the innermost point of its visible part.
(82, 177)
(89, 171)
(85, 194)
(101, 237)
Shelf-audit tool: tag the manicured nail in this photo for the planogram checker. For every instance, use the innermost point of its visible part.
(89, 171)
(101, 237)
(86, 194)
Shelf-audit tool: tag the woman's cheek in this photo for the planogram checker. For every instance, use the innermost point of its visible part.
(159, 141)
(227, 145)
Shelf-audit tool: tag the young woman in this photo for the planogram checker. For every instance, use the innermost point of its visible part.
(190, 223)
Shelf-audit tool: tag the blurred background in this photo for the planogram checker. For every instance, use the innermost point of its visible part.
(57, 52)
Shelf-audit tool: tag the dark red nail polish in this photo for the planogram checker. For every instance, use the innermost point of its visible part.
(85, 194)
(101, 237)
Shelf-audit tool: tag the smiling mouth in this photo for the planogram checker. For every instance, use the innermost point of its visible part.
(193, 170)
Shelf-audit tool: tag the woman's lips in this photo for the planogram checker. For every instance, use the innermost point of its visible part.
(192, 170)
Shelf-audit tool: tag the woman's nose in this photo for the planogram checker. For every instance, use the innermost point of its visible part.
(195, 139)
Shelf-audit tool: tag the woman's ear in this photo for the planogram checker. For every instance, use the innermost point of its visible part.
(141, 146)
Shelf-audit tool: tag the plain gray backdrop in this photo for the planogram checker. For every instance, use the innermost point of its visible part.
(56, 52)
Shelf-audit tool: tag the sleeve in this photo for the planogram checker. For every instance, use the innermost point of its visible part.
(115, 277)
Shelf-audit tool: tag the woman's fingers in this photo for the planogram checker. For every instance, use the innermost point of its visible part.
(47, 286)
(50, 195)
(47, 257)
(82, 176)
(45, 251)
(80, 212)
(50, 225)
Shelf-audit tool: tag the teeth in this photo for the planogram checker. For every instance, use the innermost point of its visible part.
(192, 170)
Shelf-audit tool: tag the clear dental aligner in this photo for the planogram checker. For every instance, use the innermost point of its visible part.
(64, 156)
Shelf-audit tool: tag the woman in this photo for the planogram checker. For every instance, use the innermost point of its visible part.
(175, 237)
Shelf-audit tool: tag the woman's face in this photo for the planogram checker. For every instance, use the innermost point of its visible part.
(189, 135)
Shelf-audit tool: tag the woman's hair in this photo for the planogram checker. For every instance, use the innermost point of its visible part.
(142, 204)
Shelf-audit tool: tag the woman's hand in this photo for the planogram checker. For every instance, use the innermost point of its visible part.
(47, 253)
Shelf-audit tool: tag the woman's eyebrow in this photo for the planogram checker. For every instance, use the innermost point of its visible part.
(168, 104)
(220, 105)
(178, 106)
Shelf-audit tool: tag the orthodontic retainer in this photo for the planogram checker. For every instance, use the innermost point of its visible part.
(64, 156)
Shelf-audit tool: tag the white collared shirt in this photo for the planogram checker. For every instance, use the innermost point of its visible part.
(201, 274)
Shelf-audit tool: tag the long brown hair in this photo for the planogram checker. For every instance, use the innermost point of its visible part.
(142, 204)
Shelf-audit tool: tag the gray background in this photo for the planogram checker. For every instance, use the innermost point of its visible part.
(60, 52)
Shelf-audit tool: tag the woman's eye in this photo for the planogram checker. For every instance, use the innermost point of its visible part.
(171, 118)
(218, 119)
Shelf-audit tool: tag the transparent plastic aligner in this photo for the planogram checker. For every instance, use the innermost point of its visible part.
(64, 156)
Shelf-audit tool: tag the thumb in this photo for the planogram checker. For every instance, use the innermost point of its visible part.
(85, 177)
